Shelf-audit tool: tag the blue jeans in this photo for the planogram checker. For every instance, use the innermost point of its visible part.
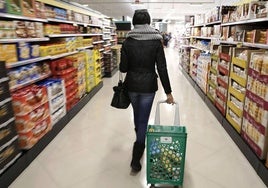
(142, 105)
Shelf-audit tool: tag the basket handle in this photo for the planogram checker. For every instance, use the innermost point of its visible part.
(157, 113)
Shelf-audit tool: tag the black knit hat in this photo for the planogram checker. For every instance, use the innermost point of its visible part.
(141, 17)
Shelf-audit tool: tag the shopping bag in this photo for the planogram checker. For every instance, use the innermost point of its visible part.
(120, 97)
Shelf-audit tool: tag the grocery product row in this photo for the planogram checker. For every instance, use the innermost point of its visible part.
(235, 80)
(30, 112)
(48, 11)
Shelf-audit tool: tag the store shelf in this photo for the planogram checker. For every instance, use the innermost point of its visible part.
(24, 40)
(94, 25)
(73, 35)
(28, 156)
(263, 46)
(19, 86)
(98, 42)
(242, 81)
(86, 47)
(63, 55)
(29, 61)
(13, 16)
(253, 159)
(246, 22)
(233, 123)
(236, 93)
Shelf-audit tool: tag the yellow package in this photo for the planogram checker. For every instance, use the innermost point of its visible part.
(8, 53)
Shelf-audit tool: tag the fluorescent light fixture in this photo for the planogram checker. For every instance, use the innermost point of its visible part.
(195, 4)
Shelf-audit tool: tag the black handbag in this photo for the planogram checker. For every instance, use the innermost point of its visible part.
(120, 98)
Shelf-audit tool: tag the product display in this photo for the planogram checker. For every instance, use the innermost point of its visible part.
(194, 55)
(237, 75)
(202, 71)
(254, 128)
(45, 42)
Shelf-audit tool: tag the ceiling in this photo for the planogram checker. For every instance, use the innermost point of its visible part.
(158, 9)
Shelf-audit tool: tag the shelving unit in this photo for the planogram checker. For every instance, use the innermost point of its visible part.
(75, 40)
(253, 159)
(233, 96)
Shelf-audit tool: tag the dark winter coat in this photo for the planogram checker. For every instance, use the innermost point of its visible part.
(140, 58)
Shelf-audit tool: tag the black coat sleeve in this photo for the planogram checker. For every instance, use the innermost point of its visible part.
(162, 68)
(123, 65)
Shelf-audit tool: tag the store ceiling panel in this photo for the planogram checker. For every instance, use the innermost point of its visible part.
(159, 9)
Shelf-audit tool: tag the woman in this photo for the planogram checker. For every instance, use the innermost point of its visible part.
(141, 52)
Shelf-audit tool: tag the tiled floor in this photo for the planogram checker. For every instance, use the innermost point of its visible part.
(94, 149)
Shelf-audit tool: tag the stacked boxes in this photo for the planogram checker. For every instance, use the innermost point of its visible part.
(237, 86)
(64, 69)
(90, 76)
(212, 75)
(80, 64)
(254, 128)
(202, 71)
(194, 55)
(56, 98)
(222, 79)
(32, 115)
(97, 66)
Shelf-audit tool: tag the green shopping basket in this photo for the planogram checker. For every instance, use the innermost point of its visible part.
(166, 146)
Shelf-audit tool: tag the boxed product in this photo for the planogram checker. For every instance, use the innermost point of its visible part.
(261, 36)
(30, 29)
(7, 131)
(259, 62)
(28, 139)
(250, 36)
(57, 102)
(28, 8)
(8, 53)
(2, 6)
(39, 9)
(26, 100)
(39, 30)
(56, 116)
(8, 152)
(7, 30)
(254, 136)
(24, 51)
(34, 51)
(13, 7)
(20, 29)
(25, 123)
(54, 87)
(262, 9)
(249, 10)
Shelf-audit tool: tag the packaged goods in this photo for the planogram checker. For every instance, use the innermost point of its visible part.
(27, 122)
(56, 116)
(24, 51)
(28, 99)
(261, 37)
(34, 51)
(8, 53)
(20, 29)
(4, 90)
(39, 9)
(13, 7)
(7, 29)
(28, 139)
(2, 6)
(6, 112)
(28, 8)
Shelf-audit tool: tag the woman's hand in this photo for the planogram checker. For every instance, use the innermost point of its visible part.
(170, 99)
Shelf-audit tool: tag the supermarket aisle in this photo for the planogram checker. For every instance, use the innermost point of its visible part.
(94, 149)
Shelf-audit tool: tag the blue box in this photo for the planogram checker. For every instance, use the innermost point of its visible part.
(24, 51)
